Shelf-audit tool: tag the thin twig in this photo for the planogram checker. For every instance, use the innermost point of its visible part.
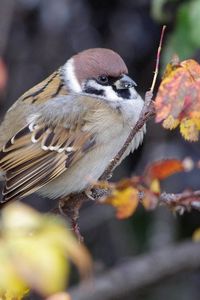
(158, 59)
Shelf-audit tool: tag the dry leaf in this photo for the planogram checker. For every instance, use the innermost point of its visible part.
(163, 169)
(125, 201)
(178, 98)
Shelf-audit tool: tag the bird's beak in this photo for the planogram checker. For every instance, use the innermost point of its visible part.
(125, 82)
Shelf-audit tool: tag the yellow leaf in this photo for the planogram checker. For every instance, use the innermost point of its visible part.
(77, 252)
(197, 122)
(38, 249)
(11, 285)
(155, 186)
(170, 122)
(42, 265)
(20, 220)
(196, 235)
(189, 130)
(125, 201)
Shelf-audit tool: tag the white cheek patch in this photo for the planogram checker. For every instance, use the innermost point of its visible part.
(93, 84)
(70, 78)
(109, 93)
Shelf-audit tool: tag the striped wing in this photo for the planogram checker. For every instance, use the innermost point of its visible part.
(39, 153)
(47, 89)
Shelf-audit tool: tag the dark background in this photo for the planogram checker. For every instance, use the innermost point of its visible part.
(36, 37)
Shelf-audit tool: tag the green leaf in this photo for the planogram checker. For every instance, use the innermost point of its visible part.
(180, 41)
(194, 19)
(157, 10)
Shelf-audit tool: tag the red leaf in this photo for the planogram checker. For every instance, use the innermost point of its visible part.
(163, 169)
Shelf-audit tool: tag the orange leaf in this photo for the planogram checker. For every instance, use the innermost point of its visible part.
(163, 169)
(179, 92)
(125, 202)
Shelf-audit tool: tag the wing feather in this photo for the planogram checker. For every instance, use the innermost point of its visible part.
(39, 153)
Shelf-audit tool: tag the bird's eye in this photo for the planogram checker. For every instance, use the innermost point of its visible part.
(103, 79)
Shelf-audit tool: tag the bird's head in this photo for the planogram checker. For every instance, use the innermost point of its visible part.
(99, 73)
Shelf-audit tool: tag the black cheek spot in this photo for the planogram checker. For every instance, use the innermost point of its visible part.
(93, 91)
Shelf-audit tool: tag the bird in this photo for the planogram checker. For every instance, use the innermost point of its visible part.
(61, 135)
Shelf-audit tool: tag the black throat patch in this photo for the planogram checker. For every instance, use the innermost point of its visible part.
(123, 93)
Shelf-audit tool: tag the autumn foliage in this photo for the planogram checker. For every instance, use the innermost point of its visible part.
(178, 98)
(35, 250)
(126, 194)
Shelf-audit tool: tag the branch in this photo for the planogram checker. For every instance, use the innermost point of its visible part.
(140, 272)
(181, 201)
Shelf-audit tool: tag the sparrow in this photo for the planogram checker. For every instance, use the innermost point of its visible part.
(61, 135)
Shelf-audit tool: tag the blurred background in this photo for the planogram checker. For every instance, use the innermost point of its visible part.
(37, 36)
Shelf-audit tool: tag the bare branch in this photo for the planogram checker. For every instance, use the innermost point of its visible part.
(182, 201)
(140, 272)
(158, 59)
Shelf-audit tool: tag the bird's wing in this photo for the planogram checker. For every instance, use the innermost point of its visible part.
(47, 89)
(40, 152)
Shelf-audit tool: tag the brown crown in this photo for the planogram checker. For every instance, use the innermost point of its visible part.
(98, 61)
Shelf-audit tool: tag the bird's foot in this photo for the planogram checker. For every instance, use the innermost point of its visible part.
(89, 193)
(70, 207)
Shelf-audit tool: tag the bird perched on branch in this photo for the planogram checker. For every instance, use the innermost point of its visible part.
(61, 135)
